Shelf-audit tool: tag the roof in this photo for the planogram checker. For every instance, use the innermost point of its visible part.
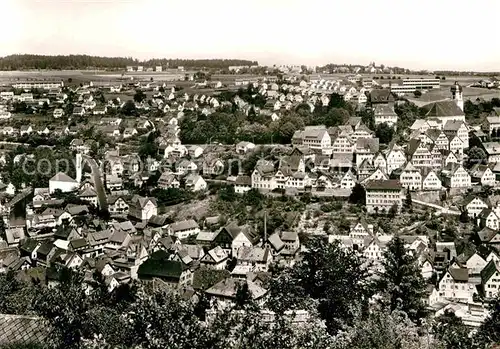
(442, 108)
(243, 180)
(459, 274)
(184, 225)
(371, 144)
(276, 242)
(452, 125)
(217, 254)
(161, 268)
(289, 236)
(205, 236)
(384, 109)
(19, 329)
(381, 96)
(486, 234)
(489, 270)
(391, 184)
(229, 287)
(63, 177)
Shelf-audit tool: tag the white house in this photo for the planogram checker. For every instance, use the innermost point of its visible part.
(62, 182)
(195, 182)
(455, 285)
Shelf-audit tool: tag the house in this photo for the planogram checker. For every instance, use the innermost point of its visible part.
(454, 285)
(62, 182)
(14, 235)
(213, 166)
(194, 182)
(143, 208)
(430, 179)
(455, 128)
(374, 249)
(395, 158)
(381, 96)
(79, 146)
(78, 111)
(170, 273)
(216, 258)
(457, 177)
(483, 175)
(315, 137)
(492, 150)
(58, 113)
(117, 205)
(242, 184)
(359, 231)
(419, 153)
(244, 147)
(225, 291)
(488, 218)
(490, 237)
(129, 132)
(184, 229)
(185, 166)
(474, 205)
(195, 151)
(490, 279)
(168, 180)
(26, 130)
(291, 243)
(257, 258)
(382, 195)
(385, 114)
(411, 178)
(492, 125)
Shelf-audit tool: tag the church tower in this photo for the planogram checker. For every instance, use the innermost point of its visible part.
(456, 95)
(78, 167)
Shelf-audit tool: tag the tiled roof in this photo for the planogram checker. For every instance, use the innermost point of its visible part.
(18, 329)
(442, 108)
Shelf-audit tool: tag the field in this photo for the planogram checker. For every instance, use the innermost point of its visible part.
(469, 93)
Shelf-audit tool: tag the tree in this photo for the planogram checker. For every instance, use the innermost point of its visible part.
(381, 330)
(163, 320)
(417, 93)
(336, 117)
(489, 331)
(65, 307)
(358, 195)
(384, 132)
(451, 331)
(139, 96)
(464, 216)
(401, 283)
(129, 108)
(476, 155)
(408, 201)
(336, 279)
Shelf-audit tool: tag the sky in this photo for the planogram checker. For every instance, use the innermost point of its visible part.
(423, 34)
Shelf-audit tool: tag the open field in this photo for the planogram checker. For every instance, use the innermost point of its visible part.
(469, 93)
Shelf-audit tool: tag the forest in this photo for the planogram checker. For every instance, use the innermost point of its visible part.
(71, 62)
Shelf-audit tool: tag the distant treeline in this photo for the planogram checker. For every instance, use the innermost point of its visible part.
(465, 73)
(21, 62)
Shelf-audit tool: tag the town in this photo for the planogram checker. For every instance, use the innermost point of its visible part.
(228, 188)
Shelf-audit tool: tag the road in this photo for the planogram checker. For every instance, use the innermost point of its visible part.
(441, 209)
(96, 175)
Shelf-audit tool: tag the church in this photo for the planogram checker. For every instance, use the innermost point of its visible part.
(448, 110)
